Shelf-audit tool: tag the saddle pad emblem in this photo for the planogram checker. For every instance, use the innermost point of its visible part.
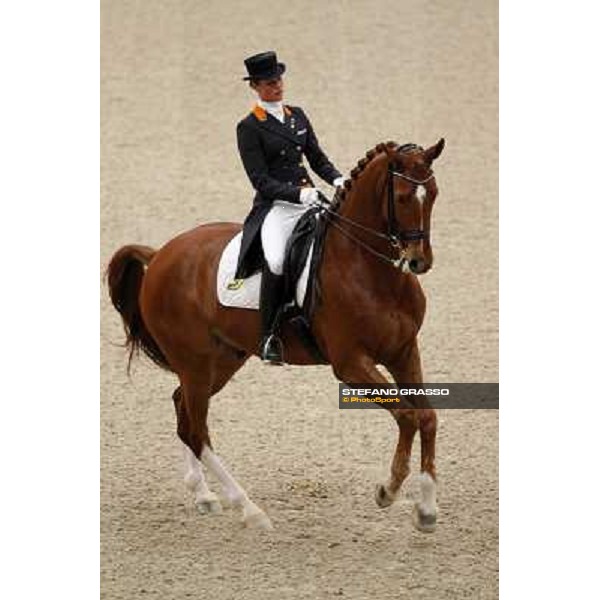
(235, 284)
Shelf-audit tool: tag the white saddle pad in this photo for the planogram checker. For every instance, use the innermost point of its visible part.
(247, 293)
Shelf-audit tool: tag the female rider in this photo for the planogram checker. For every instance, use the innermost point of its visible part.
(272, 141)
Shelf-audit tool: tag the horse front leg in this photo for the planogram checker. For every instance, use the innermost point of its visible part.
(407, 422)
(364, 370)
(407, 370)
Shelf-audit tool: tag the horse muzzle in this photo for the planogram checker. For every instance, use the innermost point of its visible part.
(418, 265)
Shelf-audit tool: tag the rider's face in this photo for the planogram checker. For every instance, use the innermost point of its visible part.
(269, 90)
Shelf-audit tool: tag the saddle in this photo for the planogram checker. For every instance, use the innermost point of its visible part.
(305, 243)
(301, 293)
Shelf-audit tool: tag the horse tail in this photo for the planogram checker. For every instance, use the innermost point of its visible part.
(125, 274)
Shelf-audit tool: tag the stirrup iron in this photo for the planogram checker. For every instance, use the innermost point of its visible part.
(272, 350)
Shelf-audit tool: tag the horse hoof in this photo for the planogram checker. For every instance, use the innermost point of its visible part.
(423, 521)
(257, 519)
(208, 506)
(383, 497)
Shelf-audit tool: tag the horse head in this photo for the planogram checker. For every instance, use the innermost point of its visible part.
(391, 194)
(411, 192)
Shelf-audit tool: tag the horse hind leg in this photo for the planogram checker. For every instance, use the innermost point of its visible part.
(205, 500)
(252, 516)
(207, 378)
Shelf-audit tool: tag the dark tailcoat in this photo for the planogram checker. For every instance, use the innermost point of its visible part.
(272, 154)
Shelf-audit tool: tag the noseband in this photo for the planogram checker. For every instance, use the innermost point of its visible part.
(396, 238)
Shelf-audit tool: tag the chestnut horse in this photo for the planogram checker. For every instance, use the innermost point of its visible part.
(370, 310)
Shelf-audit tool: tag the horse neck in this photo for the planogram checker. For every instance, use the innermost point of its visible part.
(364, 201)
(345, 252)
(363, 205)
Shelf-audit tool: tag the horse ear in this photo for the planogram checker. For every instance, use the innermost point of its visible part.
(432, 153)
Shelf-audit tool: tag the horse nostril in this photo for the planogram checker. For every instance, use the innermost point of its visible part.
(415, 265)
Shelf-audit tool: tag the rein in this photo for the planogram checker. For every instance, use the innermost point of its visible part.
(395, 237)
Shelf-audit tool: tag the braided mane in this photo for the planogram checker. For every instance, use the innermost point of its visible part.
(360, 167)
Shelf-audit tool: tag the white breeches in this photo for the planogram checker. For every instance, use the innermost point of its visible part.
(277, 229)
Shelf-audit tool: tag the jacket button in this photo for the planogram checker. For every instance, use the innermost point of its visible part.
(298, 147)
(282, 152)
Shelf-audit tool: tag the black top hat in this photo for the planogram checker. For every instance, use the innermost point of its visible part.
(264, 66)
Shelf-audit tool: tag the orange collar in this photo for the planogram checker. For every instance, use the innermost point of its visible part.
(261, 114)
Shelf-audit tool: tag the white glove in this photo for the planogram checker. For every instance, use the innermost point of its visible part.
(339, 182)
(309, 196)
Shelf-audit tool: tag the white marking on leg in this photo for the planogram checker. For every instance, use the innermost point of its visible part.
(253, 516)
(235, 493)
(205, 500)
(428, 494)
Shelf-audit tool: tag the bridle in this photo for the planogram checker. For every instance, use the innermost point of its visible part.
(407, 235)
(398, 239)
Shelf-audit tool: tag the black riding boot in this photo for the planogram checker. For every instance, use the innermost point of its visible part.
(271, 300)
